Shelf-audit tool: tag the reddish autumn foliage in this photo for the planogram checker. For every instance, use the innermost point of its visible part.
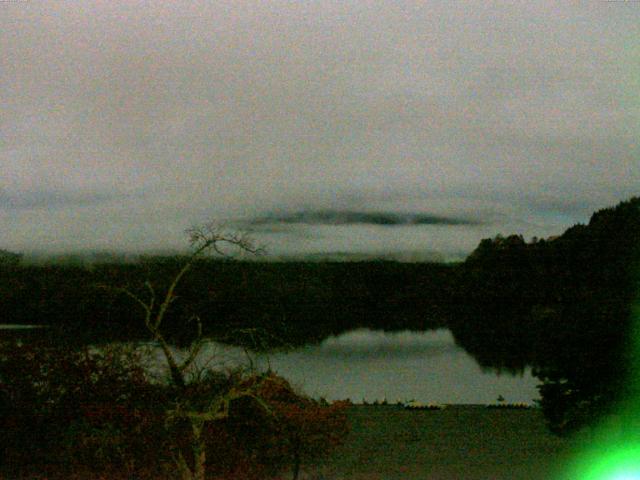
(66, 408)
(278, 430)
(69, 413)
(308, 428)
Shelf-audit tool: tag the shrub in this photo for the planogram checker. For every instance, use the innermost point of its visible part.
(273, 431)
(78, 407)
(94, 414)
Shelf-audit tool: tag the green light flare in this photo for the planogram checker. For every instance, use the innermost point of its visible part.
(621, 463)
(614, 453)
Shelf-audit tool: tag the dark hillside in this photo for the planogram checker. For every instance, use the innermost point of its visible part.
(561, 305)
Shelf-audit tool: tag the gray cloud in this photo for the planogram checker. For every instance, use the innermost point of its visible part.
(164, 115)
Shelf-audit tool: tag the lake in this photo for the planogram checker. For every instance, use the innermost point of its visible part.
(374, 365)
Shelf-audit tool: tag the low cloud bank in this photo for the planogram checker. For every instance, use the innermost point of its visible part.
(350, 217)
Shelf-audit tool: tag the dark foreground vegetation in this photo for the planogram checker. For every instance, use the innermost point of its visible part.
(562, 306)
(77, 413)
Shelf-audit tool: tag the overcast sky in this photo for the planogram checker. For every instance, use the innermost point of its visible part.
(123, 123)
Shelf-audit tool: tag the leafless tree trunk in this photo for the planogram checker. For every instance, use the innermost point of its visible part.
(203, 240)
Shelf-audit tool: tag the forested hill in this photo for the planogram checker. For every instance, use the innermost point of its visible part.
(520, 296)
(562, 305)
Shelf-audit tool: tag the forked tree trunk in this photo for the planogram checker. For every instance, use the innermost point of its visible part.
(198, 471)
(199, 451)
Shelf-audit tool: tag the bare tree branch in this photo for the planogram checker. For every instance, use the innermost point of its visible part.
(203, 239)
(195, 348)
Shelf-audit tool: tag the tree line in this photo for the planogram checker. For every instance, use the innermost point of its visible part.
(295, 302)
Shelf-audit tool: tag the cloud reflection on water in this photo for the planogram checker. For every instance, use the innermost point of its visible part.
(425, 366)
(365, 343)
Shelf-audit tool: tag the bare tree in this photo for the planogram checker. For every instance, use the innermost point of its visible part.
(204, 240)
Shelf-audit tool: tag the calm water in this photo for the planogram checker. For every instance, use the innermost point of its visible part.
(373, 365)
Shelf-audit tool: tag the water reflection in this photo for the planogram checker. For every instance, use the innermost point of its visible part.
(374, 365)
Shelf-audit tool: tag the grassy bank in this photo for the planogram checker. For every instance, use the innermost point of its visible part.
(459, 442)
